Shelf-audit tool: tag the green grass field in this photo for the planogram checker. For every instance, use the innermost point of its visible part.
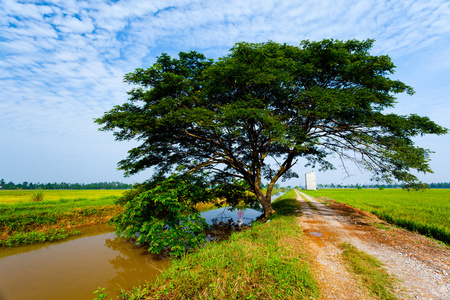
(13, 196)
(23, 221)
(427, 212)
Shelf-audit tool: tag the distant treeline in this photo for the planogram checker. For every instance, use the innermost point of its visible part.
(123, 186)
(440, 185)
(64, 186)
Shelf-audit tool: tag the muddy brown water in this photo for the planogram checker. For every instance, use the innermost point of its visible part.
(75, 269)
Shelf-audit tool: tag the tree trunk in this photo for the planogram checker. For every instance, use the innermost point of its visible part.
(265, 200)
(267, 205)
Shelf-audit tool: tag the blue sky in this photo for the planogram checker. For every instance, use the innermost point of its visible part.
(62, 64)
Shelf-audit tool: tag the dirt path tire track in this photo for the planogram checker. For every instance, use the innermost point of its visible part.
(422, 267)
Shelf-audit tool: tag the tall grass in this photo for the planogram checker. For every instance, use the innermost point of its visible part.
(426, 212)
(266, 261)
(37, 196)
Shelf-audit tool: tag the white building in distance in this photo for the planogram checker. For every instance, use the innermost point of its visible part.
(310, 179)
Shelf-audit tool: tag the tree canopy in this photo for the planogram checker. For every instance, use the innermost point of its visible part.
(258, 111)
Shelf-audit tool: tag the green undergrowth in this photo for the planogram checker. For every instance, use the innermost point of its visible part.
(426, 212)
(371, 272)
(266, 261)
(32, 222)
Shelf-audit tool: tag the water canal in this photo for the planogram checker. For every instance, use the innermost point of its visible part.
(74, 269)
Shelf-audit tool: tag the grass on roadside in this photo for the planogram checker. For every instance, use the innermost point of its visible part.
(266, 261)
(370, 270)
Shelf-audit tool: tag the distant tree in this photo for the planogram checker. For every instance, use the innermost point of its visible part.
(266, 103)
(416, 186)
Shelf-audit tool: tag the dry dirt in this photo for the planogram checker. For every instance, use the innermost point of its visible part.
(421, 266)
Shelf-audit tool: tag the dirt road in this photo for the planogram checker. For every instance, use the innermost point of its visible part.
(422, 266)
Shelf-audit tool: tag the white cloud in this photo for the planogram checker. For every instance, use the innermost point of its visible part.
(63, 61)
(25, 10)
(19, 46)
(70, 24)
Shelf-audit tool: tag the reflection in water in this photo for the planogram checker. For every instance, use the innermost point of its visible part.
(225, 214)
(127, 266)
(240, 217)
(223, 221)
(73, 270)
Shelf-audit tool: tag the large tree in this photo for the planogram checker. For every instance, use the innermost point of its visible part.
(253, 114)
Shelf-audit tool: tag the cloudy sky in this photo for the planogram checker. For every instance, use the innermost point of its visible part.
(62, 64)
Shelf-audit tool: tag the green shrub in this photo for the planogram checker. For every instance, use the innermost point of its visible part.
(165, 217)
(37, 196)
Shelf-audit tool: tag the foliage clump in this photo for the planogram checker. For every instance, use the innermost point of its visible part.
(162, 214)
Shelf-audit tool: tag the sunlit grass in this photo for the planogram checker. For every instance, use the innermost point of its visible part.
(23, 221)
(13, 196)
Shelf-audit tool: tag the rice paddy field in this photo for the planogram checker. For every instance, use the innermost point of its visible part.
(14, 196)
(54, 216)
(426, 212)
